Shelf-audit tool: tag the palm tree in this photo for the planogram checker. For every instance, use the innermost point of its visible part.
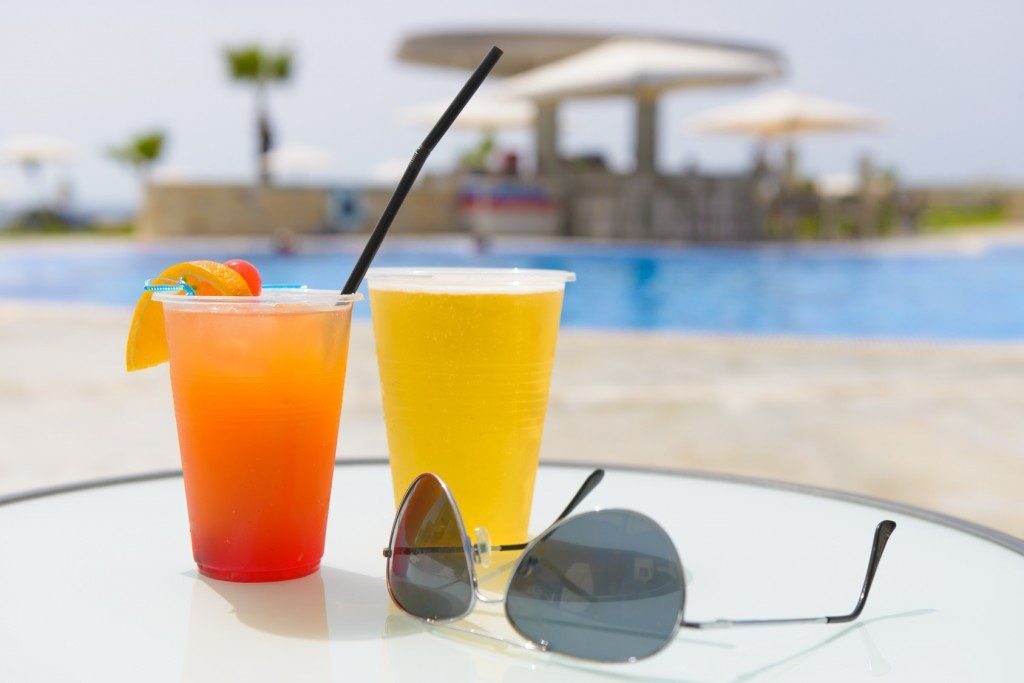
(141, 152)
(259, 66)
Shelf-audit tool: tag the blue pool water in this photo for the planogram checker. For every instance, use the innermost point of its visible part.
(827, 291)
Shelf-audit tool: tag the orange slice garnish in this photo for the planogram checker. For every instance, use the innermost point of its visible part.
(147, 339)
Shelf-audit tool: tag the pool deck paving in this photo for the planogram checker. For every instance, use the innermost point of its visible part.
(937, 425)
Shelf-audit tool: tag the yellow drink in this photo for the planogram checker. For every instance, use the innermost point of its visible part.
(465, 368)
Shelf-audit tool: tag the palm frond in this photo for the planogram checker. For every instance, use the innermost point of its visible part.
(141, 150)
(256, 63)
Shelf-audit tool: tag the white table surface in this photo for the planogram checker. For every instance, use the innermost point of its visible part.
(99, 585)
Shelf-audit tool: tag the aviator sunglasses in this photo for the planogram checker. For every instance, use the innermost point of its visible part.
(605, 585)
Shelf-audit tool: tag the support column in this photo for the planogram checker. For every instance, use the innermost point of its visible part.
(547, 138)
(790, 165)
(646, 134)
(645, 177)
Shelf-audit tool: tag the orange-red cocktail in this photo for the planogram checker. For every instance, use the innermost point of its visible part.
(257, 385)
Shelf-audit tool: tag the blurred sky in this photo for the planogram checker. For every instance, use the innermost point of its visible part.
(946, 74)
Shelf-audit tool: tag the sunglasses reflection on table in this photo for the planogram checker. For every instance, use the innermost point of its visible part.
(605, 585)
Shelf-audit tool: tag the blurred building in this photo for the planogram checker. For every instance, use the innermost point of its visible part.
(561, 196)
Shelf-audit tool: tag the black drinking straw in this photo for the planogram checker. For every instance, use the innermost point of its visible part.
(413, 170)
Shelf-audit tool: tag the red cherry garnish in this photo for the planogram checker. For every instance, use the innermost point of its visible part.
(249, 274)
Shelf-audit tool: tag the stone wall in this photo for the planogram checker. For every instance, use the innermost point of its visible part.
(221, 209)
(177, 209)
(1015, 205)
(432, 206)
(686, 207)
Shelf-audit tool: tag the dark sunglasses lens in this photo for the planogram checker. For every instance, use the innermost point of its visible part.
(605, 585)
(429, 572)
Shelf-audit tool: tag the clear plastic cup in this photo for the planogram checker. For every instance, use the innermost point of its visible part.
(257, 384)
(465, 358)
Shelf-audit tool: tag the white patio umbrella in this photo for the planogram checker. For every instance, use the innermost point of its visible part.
(389, 171)
(300, 159)
(627, 66)
(784, 113)
(482, 113)
(168, 174)
(32, 151)
(641, 68)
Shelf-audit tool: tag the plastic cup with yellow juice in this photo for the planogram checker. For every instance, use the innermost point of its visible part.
(465, 358)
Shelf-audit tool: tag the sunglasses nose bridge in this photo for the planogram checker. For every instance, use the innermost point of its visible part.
(482, 547)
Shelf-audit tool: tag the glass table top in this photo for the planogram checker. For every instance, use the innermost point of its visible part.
(99, 584)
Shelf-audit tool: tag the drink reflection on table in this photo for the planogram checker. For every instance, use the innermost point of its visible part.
(235, 631)
(279, 631)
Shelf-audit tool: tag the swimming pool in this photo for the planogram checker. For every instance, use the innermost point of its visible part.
(790, 290)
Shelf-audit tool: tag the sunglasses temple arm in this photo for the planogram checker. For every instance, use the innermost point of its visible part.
(882, 533)
(585, 489)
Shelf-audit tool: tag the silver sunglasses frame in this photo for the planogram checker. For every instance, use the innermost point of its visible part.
(471, 554)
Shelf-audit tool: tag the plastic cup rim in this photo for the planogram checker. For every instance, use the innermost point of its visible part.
(483, 279)
(268, 298)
